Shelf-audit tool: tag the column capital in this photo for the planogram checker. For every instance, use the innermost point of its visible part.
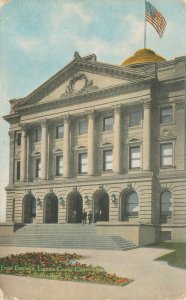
(147, 104)
(66, 118)
(117, 108)
(44, 122)
(91, 113)
(180, 104)
(11, 134)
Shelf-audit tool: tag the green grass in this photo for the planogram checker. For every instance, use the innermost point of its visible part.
(175, 259)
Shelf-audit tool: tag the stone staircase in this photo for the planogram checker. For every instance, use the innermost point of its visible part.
(64, 236)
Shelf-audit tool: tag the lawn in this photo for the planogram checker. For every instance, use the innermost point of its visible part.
(176, 258)
(59, 267)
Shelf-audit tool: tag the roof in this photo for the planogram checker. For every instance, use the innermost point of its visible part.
(143, 56)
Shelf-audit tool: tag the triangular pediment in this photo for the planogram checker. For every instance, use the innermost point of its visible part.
(80, 76)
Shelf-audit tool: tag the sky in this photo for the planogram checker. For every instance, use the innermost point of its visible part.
(39, 37)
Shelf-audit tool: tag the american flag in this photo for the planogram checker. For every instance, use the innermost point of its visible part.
(155, 18)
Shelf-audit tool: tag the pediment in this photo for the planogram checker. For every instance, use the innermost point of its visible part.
(133, 140)
(80, 76)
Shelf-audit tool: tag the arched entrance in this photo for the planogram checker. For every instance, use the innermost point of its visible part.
(51, 208)
(29, 208)
(101, 206)
(75, 203)
(129, 205)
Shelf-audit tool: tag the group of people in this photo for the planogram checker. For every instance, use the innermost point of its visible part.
(98, 216)
(85, 215)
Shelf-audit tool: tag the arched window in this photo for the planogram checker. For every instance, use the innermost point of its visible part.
(165, 205)
(132, 204)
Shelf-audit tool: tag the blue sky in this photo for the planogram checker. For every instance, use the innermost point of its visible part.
(38, 37)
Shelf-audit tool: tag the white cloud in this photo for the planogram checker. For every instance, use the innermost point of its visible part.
(28, 44)
(68, 12)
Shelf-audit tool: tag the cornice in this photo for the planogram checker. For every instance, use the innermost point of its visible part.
(81, 64)
(12, 118)
(67, 100)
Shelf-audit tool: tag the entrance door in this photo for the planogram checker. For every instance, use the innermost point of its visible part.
(101, 206)
(51, 208)
(75, 203)
(29, 208)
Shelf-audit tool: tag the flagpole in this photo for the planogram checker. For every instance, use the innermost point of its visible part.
(145, 27)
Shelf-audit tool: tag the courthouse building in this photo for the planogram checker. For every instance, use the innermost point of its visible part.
(105, 138)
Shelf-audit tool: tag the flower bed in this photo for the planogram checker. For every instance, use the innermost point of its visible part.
(57, 266)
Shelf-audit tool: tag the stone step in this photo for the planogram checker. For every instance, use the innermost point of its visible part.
(64, 236)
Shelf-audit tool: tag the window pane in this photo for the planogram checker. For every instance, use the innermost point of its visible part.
(132, 204)
(166, 154)
(18, 170)
(108, 123)
(59, 165)
(38, 168)
(135, 156)
(18, 138)
(166, 203)
(107, 160)
(59, 132)
(38, 135)
(83, 163)
(83, 126)
(166, 114)
(135, 118)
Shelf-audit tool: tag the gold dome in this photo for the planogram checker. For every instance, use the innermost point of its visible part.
(142, 56)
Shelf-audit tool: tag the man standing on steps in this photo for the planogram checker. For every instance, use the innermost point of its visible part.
(74, 217)
(84, 217)
(90, 217)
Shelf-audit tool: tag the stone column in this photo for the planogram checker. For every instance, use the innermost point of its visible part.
(11, 156)
(117, 140)
(147, 136)
(23, 153)
(91, 143)
(66, 149)
(44, 149)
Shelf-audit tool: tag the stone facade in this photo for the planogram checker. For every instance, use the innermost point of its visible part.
(103, 138)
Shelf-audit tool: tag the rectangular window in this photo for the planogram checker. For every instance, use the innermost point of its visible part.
(37, 135)
(83, 126)
(166, 154)
(18, 138)
(18, 170)
(135, 157)
(107, 160)
(82, 163)
(60, 132)
(135, 118)
(108, 123)
(38, 168)
(166, 114)
(59, 165)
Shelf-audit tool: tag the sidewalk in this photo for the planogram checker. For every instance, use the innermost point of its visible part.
(153, 280)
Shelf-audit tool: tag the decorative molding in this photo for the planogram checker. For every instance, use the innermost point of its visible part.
(91, 113)
(167, 134)
(79, 148)
(132, 139)
(44, 123)
(85, 87)
(66, 119)
(117, 108)
(70, 99)
(180, 104)
(105, 144)
(11, 134)
(147, 104)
